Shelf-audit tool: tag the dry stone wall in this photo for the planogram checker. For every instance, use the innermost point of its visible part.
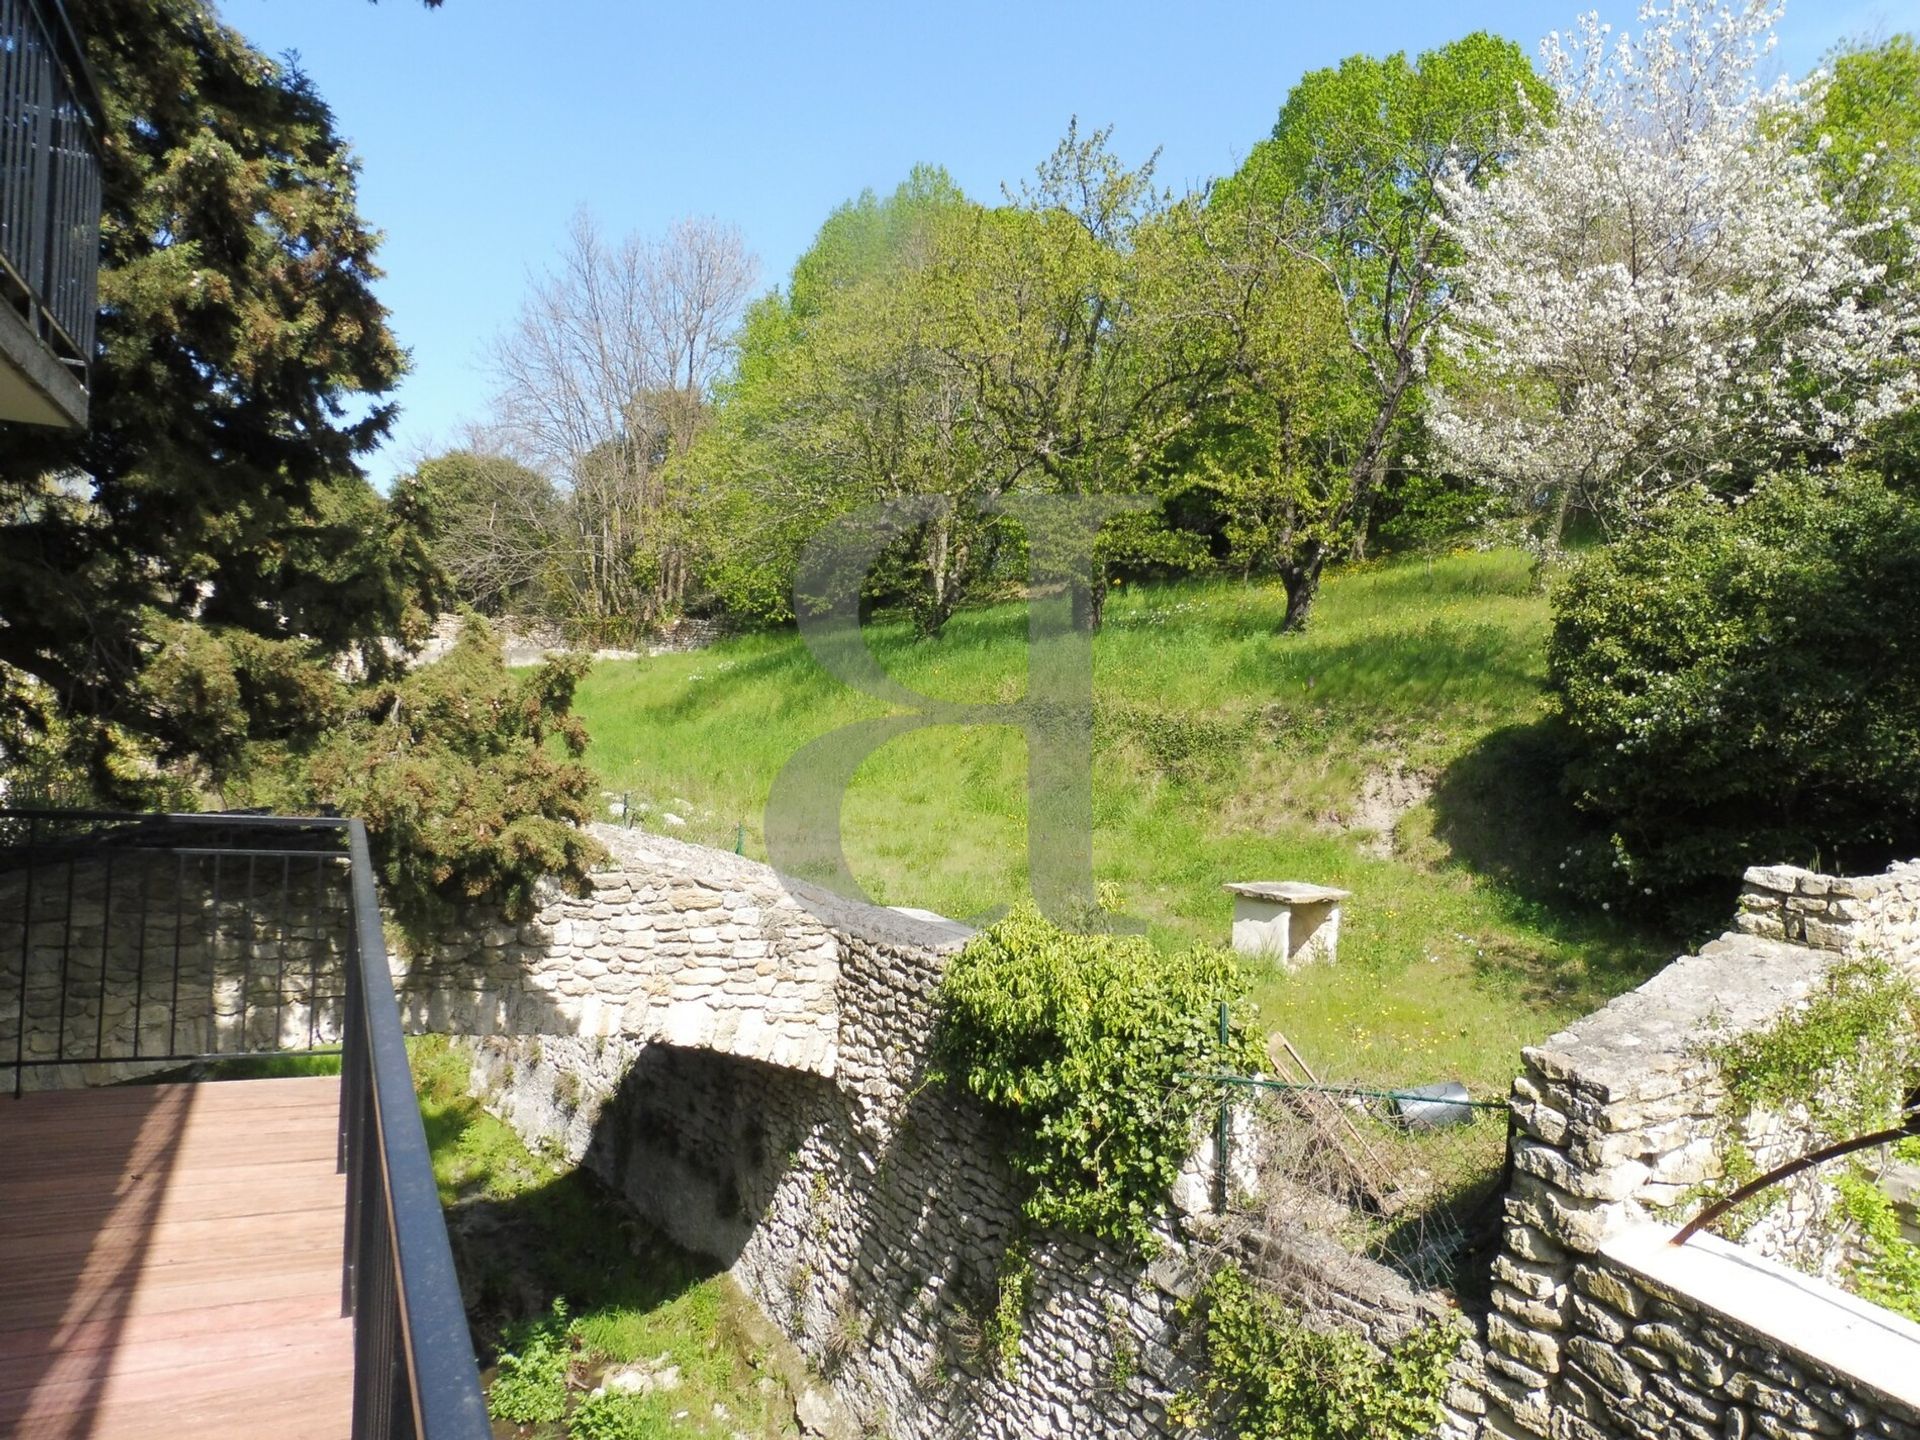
(747, 1061)
(1617, 1125)
(866, 1211)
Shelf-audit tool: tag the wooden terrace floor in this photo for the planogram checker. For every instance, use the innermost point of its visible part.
(170, 1264)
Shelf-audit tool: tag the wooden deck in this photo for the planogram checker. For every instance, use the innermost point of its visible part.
(170, 1264)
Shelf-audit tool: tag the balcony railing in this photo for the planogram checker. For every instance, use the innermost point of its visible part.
(141, 942)
(50, 118)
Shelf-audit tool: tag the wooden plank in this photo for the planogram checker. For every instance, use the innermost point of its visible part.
(209, 1324)
(162, 1200)
(298, 1407)
(288, 1279)
(173, 1264)
(135, 1235)
(250, 1096)
(35, 1373)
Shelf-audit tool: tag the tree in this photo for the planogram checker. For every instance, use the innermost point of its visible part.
(494, 526)
(1863, 130)
(242, 365)
(1657, 294)
(603, 380)
(184, 587)
(1743, 686)
(1279, 404)
(844, 398)
(1055, 311)
(1353, 175)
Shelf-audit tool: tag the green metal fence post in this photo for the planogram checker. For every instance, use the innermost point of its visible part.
(1223, 1126)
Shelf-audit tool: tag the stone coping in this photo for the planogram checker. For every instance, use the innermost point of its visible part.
(646, 851)
(1287, 892)
(1638, 1044)
(1853, 1338)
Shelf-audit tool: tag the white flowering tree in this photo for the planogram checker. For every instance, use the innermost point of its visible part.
(1656, 293)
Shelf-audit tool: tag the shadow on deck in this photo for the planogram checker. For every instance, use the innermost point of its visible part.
(173, 1257)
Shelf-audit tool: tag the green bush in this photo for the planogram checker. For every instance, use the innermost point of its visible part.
(1264, 1374)
(1101, 1048)
(530, 1387)
(621, 1415)
(1742, 685)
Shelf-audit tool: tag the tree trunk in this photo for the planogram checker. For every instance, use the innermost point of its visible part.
(1301, 576)
(1089, 604)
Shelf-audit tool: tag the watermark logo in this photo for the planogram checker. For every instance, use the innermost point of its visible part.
(804, 808)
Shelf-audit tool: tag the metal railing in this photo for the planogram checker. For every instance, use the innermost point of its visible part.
(50, 117)
(147, 940)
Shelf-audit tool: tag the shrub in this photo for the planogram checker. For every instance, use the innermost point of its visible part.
(1264, 1374)
(1100, 1047)
(1743, 685)
(530, 1387)
(621, 1415)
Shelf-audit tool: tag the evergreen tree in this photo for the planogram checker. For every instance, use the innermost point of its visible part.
(186, 587)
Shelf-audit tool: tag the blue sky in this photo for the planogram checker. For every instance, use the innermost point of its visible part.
(484, 125)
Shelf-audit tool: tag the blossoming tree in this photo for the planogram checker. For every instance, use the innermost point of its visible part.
(1658, 293)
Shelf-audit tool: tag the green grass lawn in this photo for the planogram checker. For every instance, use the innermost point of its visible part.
(1223, 751)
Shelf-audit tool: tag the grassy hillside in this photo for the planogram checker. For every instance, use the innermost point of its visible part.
(1223, 752)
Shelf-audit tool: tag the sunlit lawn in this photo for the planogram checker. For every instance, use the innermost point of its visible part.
(1223, 752)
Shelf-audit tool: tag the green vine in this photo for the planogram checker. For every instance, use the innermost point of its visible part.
(1888, 1269)
(1264, 1374)
(1100, 1048)
(1843, 1063)
(1846, 1056)
(1007, 1323)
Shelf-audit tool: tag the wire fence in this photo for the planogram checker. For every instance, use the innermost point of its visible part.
(1409, 1176)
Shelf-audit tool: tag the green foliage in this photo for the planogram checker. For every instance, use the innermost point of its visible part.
(1845, 1060)
(491, 526)
(535, 1356)
(1100, 1048)
(1865, 133)
(1741, 686)
(1847, 1055)
(184, 587)
(1887, 1271)
(618, 1415)
(1465, 950)
(1266, 1375)
(1350, 176)
(242, 362)
(1013, 1294)
(453, 768)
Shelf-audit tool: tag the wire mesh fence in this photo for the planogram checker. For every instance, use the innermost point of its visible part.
(1410, 1177)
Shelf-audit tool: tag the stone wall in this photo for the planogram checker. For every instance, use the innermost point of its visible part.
(1709, 1342)
(1617, 1127)
(747, 1061)
(675, 943)
(1839, 913)
(868, 1212)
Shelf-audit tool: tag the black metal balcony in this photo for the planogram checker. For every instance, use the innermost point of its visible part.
(50, 121)
(133, 943)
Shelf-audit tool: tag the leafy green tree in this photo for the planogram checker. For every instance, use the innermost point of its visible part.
(1278, 402)
(1865, 128)
(184, 587)
(242, 367)
(493, 528)
(470, 776)
(1743, 686)
(1062, 313)
(844, 398)
(1354, 168)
